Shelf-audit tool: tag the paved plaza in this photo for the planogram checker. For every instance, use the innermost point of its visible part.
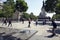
(41, 32)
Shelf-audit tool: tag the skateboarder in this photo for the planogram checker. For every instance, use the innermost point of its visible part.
(54, 27)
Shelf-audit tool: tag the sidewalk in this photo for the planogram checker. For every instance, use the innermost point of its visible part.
(40, 35)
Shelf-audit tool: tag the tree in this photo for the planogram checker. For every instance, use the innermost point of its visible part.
(21, 5)
(1, 13)
(50, 5)
(56, 16)
(26, 15)
(58, 7)
(8, 8)
(53, 6)
(32, 16)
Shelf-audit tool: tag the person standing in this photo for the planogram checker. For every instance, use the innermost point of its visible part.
(5, 21)
(54, 27)
(36, 22)
(29, 21)
(44, 22)
(22, 20)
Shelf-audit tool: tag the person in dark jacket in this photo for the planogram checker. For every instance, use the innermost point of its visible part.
(22, 20)
(5, 21)
(44, 22)
(29, 21)
(54, 27)
(9, 22)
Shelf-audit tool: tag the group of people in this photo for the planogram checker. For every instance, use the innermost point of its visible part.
(44, 22)
(29, 22)
(5, 21)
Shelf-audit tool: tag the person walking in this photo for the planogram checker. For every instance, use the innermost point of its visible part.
(5, 21)
(9, 23)
(29, 21)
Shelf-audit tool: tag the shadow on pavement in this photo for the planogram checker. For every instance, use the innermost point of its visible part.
(8, 37)
(51, 36)
(57, 31)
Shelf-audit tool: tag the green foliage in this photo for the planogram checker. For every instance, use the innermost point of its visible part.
(8, 8)
(32, 16)
(57, 16)
(58, 7)
(21, 5)
(53, 6)
(50, 5)
(1, 13)
(27, 16)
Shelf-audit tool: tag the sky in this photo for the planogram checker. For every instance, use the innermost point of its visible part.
(34, 6)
